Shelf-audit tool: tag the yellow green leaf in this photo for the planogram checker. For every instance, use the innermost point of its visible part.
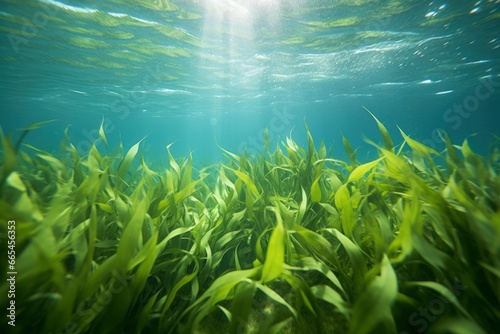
(361, 170)
(275, 255)
(316, 191)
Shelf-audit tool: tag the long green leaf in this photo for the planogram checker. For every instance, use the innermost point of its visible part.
(374, 305)
(386, 137)
(275, 255)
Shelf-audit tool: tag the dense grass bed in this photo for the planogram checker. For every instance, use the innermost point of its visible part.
(291, 241)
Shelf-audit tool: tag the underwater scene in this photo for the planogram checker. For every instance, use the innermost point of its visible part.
(259, 166)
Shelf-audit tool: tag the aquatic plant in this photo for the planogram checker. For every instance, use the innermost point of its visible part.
(290, 241)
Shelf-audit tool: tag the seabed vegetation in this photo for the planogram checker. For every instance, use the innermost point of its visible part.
(289, 241)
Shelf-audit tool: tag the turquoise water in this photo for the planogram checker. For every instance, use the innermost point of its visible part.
(202, 73)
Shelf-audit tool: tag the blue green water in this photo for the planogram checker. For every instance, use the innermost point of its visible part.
(200, 72)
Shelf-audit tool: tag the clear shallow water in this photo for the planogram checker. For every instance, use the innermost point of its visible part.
(201, 72)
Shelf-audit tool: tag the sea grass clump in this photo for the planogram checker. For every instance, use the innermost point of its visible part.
(290, 241)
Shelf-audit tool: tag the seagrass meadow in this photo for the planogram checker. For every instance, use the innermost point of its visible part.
(292, 240)
(249, 167)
